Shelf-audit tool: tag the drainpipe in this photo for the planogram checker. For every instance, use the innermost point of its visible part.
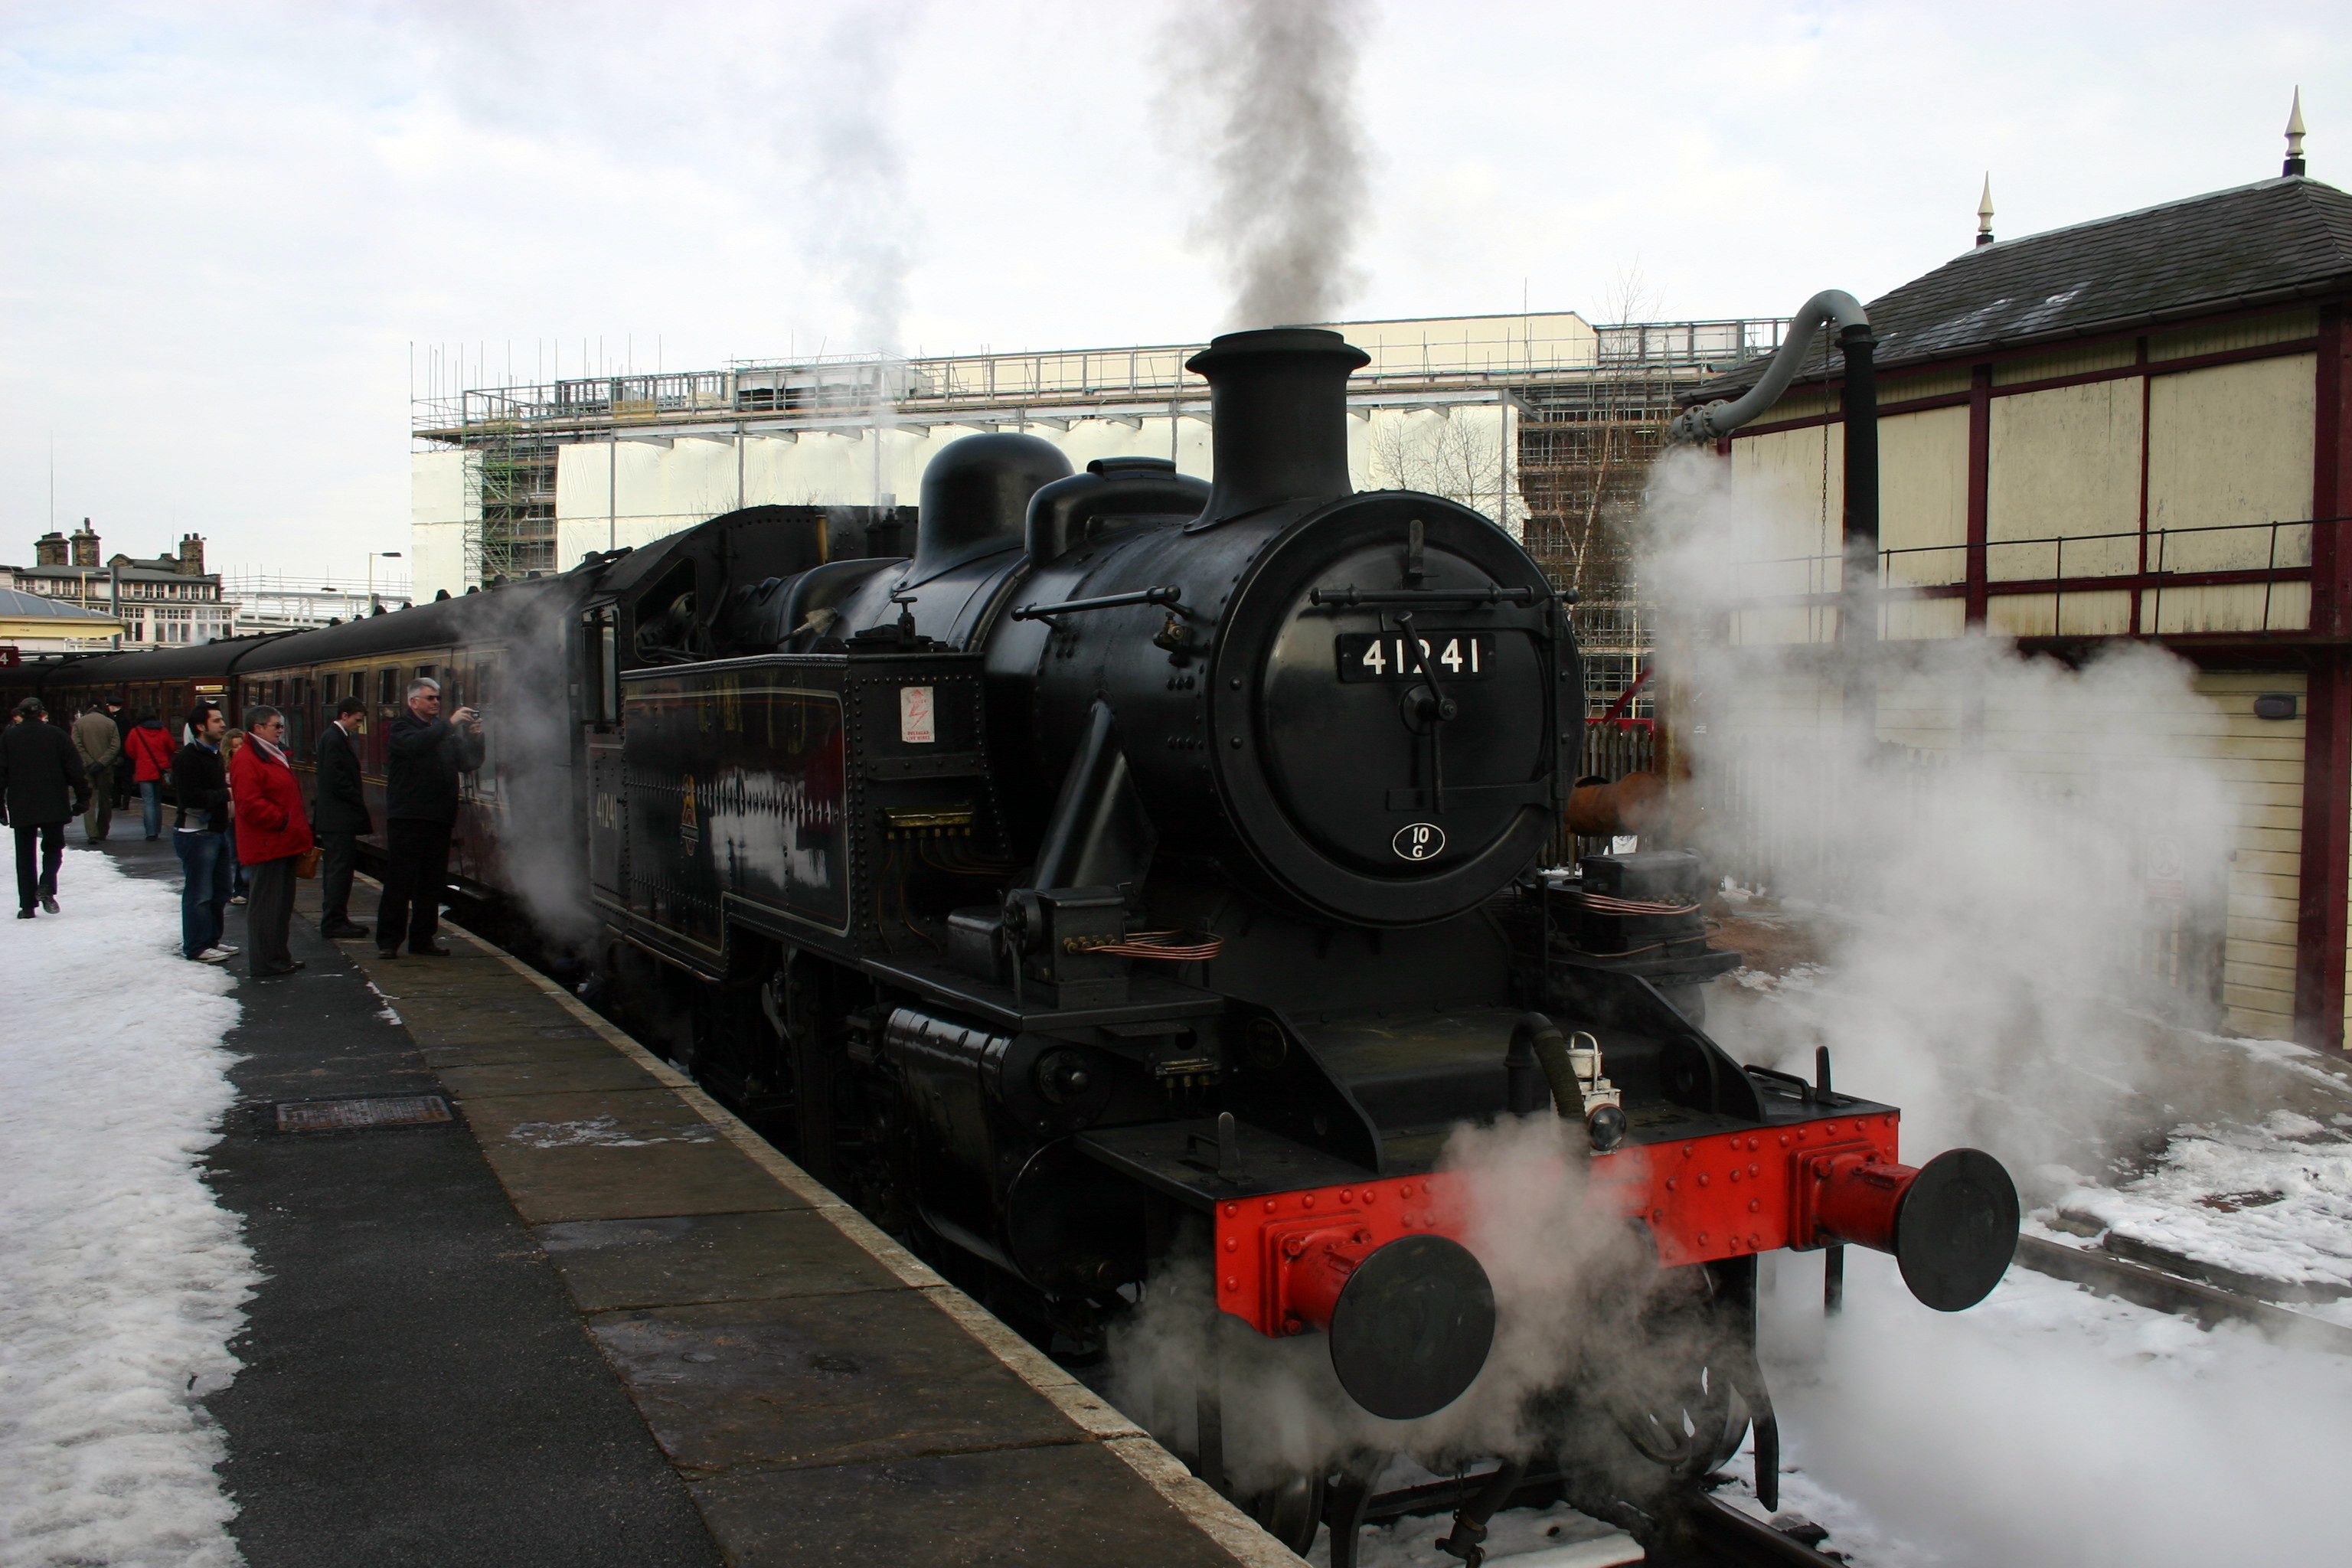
(1858, 403)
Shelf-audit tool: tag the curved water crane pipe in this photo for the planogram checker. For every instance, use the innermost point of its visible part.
(1858, 402)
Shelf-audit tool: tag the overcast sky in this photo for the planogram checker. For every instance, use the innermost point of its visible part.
(230, 229)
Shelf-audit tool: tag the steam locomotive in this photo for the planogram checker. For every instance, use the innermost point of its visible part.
(1142, 875)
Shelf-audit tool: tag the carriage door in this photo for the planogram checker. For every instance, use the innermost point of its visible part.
(600, 710)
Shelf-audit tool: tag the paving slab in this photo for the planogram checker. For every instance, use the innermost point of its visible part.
(545, 1074)
(616, 1154)
(682, 1259)
(819, 1380)
(1077, 1506)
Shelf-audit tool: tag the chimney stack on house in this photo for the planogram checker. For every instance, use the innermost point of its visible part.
(85, 545)
(51, 549)
(191, 555)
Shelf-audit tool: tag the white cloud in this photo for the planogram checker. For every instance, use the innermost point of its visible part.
(228, 224)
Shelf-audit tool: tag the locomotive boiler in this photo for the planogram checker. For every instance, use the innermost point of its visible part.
(1138, 882)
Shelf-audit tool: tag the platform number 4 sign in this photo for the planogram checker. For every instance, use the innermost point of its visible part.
(915, 716)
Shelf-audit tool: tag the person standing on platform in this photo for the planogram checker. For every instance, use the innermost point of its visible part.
(99, 740)
(150, 751)
(339, 818)
(271, 836)
(427, 752)
(200, 784)
(121, 717)
(233, 742)
(42, 787)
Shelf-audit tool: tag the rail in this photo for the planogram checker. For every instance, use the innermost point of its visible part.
(862, 386)
(2145, 564)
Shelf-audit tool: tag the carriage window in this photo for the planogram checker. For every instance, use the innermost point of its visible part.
(388, 685)
(326, 688)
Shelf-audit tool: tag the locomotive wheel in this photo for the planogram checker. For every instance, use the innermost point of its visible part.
(1685, 1424)
(1291, 1511)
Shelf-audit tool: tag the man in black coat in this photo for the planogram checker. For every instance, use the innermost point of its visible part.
(42, 787)
(339, 816)
(427, 752)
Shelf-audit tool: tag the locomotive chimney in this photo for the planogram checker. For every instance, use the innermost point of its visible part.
(1278, 406)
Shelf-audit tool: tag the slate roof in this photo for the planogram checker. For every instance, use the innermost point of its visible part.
(2270, 243)
(18, 604)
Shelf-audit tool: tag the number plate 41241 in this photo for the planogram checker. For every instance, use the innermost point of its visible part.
(1385, 656)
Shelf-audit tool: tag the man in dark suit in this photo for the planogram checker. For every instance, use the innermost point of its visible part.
(426, 753)
(339, 816)
(42, 787)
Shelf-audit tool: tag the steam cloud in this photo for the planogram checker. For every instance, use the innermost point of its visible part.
(856, 188)
(541, 837)
(1986, 870)
(1982, 860)
(1288, 153)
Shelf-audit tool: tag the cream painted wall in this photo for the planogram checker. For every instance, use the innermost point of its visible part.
(1923, 495)
(2231, 444)
(439, 499)
(2063, 463)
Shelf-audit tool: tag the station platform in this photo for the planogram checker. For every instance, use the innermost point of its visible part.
(531, 1297)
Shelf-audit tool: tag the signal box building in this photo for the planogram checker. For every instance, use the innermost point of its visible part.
(2134, 428)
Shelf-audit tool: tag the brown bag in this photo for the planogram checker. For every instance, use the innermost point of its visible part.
(306, 864)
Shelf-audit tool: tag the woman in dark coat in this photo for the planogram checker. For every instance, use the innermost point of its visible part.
(42, 787)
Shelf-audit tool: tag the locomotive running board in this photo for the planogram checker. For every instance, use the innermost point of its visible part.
(1179, 1160)
(1153, 998)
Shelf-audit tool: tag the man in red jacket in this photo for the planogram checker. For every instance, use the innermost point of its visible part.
(149, 746)
(272, 833)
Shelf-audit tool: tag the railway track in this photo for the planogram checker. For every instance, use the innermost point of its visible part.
(1705, 1532)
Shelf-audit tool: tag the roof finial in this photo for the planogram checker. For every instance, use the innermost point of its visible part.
(2295, 136)
(1984, 212)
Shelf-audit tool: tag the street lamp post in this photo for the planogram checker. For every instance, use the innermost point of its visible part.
(374, 556)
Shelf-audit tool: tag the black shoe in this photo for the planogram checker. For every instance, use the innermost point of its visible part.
(23, 914)
(49, 902)
(430, 949)
(343, 930)
(387, 952)
(152, 837)
(273, 972)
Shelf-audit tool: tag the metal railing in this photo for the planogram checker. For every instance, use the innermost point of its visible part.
(850, 384)
(2148, 564)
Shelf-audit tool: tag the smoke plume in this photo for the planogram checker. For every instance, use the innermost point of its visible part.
(527, 732)
(861, 221)
(1271, 83)
(2010, 864)
(2012, 870)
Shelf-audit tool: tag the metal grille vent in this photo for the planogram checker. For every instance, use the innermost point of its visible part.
(349, 1115)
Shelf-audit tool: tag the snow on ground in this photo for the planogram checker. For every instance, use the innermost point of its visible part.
(120, 1280)
(2049, 1427)
(2272, 1201)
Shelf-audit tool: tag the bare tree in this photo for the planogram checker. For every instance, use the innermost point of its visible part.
(1458, 457)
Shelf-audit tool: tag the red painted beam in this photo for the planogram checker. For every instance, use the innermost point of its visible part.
(1281, 1259)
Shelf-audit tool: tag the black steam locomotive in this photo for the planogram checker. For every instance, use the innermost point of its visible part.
(1140, 876)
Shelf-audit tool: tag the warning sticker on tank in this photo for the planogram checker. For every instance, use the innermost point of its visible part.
(915, 716)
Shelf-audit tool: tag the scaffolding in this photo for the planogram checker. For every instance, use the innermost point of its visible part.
(1585, 448)
(1589, 407)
